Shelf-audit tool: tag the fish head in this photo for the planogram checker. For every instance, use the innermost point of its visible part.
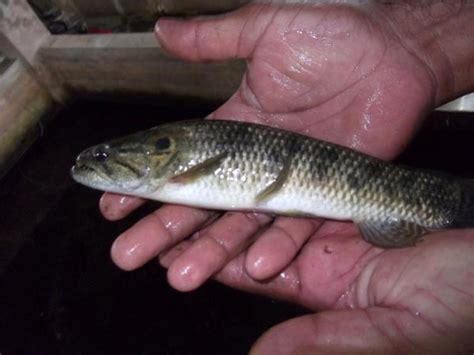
(135, 165)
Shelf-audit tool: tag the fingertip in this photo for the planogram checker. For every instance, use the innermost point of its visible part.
(213, 38)
(194, 266)
(114, 206)
(277, 246)
(257, 266)
(178, 37)
(158, 30)
(122, 256)
(163, 30)
(155, 233)
(105, 207)
(184, 277)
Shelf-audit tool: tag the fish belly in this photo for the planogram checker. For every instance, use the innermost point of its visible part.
(235, 198)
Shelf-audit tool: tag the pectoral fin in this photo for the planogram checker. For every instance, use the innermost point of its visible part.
(276, 185)
(201, 169)
(391, 232)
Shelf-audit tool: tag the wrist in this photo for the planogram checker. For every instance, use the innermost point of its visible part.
(441, 35)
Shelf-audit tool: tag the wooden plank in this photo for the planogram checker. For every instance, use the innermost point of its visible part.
(104, 8)
(192, 7)
(23, 104)
(135, 64)
(22, 34)
(22, 28)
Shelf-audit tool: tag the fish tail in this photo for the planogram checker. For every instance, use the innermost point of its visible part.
(465, 215)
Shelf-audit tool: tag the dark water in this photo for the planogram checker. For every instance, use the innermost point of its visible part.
(61, 294)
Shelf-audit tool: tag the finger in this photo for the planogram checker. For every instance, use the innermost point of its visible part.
(375, 330)
(169, 256)
(114, 207)
(155, 233)
(202, 39)
(278, 246)
(320, 275)
(285, 286)
(214, 248)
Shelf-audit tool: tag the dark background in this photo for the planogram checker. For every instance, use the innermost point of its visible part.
(61, 294)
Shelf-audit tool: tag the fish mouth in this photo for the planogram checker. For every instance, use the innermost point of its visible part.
(81, 172)
(79, 169)
(88, 175)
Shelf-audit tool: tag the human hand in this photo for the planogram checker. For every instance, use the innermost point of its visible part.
(341, 74)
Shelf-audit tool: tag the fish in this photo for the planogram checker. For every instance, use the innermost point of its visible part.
(232, 165)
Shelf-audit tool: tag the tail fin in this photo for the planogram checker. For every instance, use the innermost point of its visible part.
(465, 215)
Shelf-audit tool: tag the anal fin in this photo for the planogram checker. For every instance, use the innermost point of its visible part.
(391, 232)
(199, 170)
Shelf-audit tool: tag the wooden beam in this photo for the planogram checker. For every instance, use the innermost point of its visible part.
(104, 8)
(23, 104)
(22, 28)
(135, 64)
(22, 34)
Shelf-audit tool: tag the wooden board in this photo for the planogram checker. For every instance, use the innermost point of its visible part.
(135, 64)
(21, 35)
(23, 104)
(104, 8)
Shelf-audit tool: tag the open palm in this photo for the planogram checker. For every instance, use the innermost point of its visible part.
(340, 74)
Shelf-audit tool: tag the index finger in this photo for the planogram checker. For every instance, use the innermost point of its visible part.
(115, 206)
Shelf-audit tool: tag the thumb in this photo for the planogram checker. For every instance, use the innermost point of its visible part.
(375, 330)
(233, 35)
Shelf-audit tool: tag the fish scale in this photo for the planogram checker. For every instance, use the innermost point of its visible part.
(226, 165)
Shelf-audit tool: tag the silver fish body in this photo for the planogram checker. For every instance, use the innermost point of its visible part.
(232, 165)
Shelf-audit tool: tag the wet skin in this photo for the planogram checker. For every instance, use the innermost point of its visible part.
(350, 76)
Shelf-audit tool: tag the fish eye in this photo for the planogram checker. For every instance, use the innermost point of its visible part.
(100, 155)
(162, 143)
